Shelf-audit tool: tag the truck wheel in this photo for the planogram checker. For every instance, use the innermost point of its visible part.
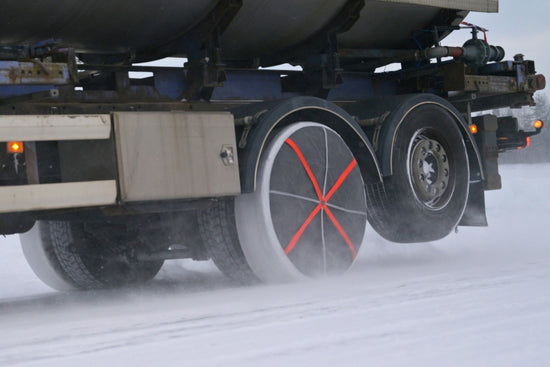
(65, 257)
(219, 234)
(308, 214)
(306, 218)
(425, 197)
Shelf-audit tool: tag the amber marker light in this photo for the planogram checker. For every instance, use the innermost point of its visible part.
(538, 124)
(527, 143)
(16, 147)
(473, 129)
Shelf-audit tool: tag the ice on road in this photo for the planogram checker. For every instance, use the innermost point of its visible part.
(478, 298)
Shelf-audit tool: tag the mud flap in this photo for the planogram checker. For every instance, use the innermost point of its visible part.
(474, 214)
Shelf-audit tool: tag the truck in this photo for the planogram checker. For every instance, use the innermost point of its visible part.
(110, 166)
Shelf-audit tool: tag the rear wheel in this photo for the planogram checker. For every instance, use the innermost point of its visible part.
(219, 234)
(65, 256)
(425, 197)
(307, 216)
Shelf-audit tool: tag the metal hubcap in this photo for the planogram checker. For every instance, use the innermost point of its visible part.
(429, 171)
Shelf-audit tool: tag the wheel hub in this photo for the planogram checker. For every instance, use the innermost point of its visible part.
(429, 171)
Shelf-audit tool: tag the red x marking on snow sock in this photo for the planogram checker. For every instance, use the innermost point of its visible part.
(323, 200)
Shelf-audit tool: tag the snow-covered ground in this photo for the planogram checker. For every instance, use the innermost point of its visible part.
(478, 298)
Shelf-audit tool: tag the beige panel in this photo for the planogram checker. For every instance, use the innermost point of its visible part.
(54, 127)
(489, 6)
(173, 155)
(57, 196)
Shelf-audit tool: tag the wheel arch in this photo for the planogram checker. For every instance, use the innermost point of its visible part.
(474, 213)
(404, 106)
(391, 111)
(275, 115)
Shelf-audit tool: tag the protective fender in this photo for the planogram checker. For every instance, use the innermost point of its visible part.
(392, 111)
(474, 214)
(402, 107)
(298, 109)
(395, 109)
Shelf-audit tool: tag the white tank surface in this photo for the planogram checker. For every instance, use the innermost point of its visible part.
(149, 29)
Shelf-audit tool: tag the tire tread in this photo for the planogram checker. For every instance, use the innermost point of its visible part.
(218, 231)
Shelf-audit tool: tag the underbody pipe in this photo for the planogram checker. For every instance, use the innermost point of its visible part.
(475, 52)
(439, 51)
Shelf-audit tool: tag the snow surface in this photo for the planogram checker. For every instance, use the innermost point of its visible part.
(478, 298)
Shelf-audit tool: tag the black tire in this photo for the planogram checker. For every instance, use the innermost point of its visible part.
(425, 197)
(65, 257)
(219, 234)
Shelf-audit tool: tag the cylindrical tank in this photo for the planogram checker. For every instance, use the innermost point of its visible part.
(264, 27)
(261, 27)
(100, 26)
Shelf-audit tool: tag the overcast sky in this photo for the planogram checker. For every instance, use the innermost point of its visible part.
(519, 27)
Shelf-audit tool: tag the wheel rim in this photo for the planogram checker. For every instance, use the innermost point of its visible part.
(430, 171)
(311, 206)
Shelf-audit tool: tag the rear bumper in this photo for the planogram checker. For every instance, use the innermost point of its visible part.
(57, 195)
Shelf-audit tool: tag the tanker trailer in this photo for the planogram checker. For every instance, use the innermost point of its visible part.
(273, 174)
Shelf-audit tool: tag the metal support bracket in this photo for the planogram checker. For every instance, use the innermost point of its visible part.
(319, 54)
(205, 69)
(326, 41)
(495, 85)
